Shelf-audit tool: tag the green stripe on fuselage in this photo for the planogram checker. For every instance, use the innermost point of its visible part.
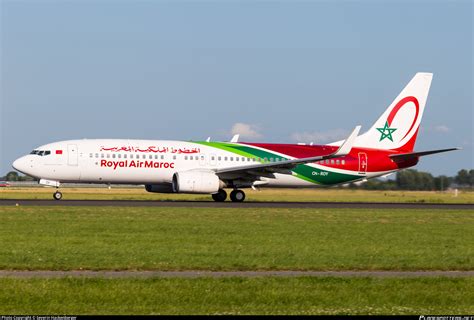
(302, 171)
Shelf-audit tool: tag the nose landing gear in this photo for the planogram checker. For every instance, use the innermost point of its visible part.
(57, 195)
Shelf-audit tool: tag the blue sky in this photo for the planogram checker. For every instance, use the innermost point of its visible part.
(274, 71)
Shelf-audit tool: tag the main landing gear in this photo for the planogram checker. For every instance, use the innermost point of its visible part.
(57, 195)
(220, 196)
(235, 196)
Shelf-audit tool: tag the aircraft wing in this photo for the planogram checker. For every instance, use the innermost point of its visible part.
(286, 166)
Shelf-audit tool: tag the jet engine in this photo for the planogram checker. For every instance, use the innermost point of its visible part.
(159, 188)
(196, 181)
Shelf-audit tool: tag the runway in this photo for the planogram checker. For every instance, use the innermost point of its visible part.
(229, 274)
(211, 204)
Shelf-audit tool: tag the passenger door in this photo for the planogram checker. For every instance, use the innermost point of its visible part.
(72, 154)
(362, 162)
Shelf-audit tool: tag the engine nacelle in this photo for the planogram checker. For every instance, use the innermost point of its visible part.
(196, 181)
(159, 188)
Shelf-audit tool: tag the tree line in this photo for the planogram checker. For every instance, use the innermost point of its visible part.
(14, 176)
(408, 179)
(411, 179)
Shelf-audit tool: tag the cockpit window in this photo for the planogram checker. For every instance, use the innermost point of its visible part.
(41, 152)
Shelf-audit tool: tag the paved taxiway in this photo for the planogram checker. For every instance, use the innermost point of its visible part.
(227, 274)
(211, 204)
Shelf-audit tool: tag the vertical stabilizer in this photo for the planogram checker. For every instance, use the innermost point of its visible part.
(397, 128)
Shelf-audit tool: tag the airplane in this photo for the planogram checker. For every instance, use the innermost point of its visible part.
(208, 167)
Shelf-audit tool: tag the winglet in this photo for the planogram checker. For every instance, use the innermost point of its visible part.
(346, 146)
(235, 138)
(208, 139)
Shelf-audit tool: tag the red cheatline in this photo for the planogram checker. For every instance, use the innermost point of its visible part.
(59, 152)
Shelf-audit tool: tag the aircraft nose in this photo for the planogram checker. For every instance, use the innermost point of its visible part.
(20, 164)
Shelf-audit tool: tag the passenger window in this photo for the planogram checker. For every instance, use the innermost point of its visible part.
(225, 158)
(332, 161)
(113, 156)
(119, 156)
(125, 156)
(271, 159)
(236, 158)
(185, 157)
(108, 156)
(219, 158)
(212, 158)
(174, 157)
(102, 155)
(327, 161)
(343, 162)
(144, 156)
(231, 158)
(90, 155)
(162, 157)
(337, 161)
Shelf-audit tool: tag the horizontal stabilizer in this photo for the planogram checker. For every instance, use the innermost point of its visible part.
(411, 155)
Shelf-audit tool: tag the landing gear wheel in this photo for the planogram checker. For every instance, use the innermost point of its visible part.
(237, 196)
(220, 196)
(57, 195)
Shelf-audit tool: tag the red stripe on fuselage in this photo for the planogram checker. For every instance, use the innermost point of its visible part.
(378, 160)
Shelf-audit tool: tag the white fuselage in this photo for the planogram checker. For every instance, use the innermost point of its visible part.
(117, 161)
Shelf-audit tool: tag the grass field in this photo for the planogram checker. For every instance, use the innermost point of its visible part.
(237, 296)
(140, 238)
(313, 195)
(71, 238)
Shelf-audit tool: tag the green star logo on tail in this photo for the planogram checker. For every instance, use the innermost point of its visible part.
(386, 132)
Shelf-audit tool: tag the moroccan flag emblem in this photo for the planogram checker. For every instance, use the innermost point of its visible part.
(386, 132)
